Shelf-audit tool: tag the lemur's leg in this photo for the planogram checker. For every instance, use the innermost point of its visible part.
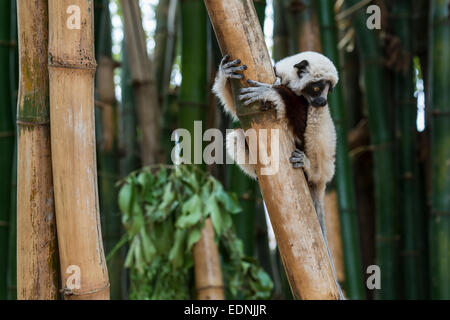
(299, 159)
(238, 151)
(221, 88)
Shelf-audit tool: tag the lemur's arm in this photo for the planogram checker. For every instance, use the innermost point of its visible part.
(222, 87)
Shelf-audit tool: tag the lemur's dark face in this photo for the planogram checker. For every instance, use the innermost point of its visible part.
(317, 93)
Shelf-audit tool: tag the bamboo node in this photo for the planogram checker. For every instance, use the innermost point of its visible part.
(32, 123)
(69, 292)
(83, 63)
(211, 287)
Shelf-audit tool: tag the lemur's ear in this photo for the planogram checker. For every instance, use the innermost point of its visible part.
(301, 67)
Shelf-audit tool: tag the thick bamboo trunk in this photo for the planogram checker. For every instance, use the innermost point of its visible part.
(72, 66)
(440, 152)
(387, 223)
(413, 240)
(144, 83)
(37, 267)
(208, 274)
(286, 193)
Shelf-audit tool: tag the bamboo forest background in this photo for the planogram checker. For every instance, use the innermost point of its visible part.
(388, 204)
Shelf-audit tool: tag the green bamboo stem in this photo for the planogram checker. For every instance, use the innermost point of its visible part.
(6, 138)
(193, 93)
(11, 280)
(165, 48)
(387, 220)
(127, 121)
(12, 241)
(439, 68)
(280, 32)
(344, 176)
(413, 240)
(108, 159)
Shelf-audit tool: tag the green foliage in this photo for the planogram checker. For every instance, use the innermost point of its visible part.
(163, 211)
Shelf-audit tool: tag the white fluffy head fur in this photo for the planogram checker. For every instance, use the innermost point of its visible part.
(319, 68)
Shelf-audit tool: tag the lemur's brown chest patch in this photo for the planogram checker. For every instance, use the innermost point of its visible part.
(296, 112)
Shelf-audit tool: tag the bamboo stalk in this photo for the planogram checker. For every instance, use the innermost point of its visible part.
(144, 83)
(192, 99)
(6, 139)
(334, 233)
(440, 151)
(208, 274)
(71, 69)
(387, 223)
(127, 121)
(344, 174)
(11, 275)
(108, 155)
(413, 240)
(165, 45)
(291, 212)
(37, 268)
(280, 32)
(242, 186)
(12, 241)
(303, 25)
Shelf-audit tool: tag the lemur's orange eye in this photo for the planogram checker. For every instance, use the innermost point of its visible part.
(316, 89)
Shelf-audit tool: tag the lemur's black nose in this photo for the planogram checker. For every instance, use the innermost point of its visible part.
(319, 102)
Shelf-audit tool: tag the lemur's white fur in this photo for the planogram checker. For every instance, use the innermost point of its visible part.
(222, 90)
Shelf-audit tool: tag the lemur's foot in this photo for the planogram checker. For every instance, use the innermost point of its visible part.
(230, 68)
(259, 92)
(298, 159)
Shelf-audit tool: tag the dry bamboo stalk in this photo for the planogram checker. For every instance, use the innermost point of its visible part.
(208, 273)
(333, 227)
(143, 82)
(37, 268)
(286, 192)
(71, 68)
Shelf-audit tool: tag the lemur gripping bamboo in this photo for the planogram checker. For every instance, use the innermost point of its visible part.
(286, 193)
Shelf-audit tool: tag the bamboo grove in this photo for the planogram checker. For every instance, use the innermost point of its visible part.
(97, 98)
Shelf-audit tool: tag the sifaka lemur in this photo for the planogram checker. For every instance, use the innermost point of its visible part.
(299, 96)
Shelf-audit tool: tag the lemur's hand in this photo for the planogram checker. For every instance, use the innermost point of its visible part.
(262, 92)
(229, 69)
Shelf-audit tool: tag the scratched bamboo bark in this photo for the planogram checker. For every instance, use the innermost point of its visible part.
(71, 68)
(292, 213)
(37, 273)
